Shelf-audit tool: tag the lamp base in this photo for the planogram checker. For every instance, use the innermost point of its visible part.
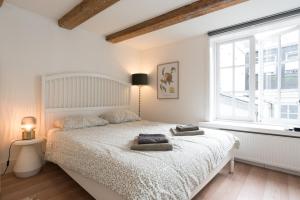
(28, 135)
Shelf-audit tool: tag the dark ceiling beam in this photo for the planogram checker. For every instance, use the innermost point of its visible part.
(190, 11)
(84, 11)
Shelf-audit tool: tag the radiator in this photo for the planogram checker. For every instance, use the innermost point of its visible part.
(272, 151)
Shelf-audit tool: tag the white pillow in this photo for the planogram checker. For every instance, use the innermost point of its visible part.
(79, 121)
(120, 116)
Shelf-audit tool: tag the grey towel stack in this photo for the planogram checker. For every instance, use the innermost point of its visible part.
(151, 142)
(152, 138)
(186, 130)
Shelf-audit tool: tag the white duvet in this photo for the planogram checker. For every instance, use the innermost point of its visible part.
(103, 154)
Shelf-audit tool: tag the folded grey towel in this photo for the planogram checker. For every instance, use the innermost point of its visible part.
(151, 135)
(152, 140)
(151, 147)
(186, 133)
(189, 127)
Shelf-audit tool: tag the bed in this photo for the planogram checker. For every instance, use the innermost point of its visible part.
(99, 158)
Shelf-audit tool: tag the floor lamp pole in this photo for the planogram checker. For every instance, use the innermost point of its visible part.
(140, 100)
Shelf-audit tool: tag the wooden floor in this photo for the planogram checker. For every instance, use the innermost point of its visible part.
(247, 183)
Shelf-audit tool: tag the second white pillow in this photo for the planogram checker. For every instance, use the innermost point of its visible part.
(120, 116)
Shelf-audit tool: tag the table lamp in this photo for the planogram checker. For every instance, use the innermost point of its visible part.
(140, 80)
(28, 125)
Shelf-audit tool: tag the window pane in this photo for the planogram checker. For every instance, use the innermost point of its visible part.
(226, 55)
(290, 38)
(270, 76)
(242, 103)
(226, 79)
(284, 108)
(270, 55)
(241, 50)
(293, 116)
(269, 104)
(225, 106)
(289, 52)
(293, 109)
(289, 75)
(289, 103)
(269, 62)
(240, 78)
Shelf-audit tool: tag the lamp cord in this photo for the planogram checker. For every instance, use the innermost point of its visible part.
(7, 162)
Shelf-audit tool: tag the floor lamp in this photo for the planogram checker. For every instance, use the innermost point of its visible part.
(139, 80)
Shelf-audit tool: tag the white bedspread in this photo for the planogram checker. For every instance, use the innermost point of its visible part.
(103, 154)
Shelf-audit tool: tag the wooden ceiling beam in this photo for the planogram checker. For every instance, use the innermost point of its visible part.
(84, 11)
(190, 11)
(1, 2)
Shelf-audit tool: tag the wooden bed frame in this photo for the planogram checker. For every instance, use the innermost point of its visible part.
(89, 93)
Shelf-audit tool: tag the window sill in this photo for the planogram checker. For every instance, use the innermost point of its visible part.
(251, 128)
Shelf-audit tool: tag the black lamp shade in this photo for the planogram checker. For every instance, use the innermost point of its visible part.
(139, 79)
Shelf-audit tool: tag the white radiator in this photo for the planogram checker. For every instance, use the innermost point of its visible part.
(272, 151)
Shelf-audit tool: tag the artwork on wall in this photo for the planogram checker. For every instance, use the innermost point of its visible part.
(168, 80)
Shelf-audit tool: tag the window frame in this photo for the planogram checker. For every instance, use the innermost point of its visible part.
(253, 115)
(217, 77)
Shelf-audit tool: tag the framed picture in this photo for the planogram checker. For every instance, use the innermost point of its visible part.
(168, 80)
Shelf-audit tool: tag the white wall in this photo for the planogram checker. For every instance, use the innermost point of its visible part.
(30, 46)
(192, 105)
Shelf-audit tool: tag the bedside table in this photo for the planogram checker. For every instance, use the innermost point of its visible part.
(29, 162)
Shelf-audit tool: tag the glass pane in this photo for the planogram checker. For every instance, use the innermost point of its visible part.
(289, 52)
(242, 104)
(257, 65)
(241, 77)
(269, 62)
(269, 104)
(290, 38)
(225, 105)
(270, 76)
(241, 52)
(293, 116)
(293, 109)
(284, 108)
(226, 55)
(226, 79)
(270, 55)
(289, 99)
(289, 75)
(283, 116)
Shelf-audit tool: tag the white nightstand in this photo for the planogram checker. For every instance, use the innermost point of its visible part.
(29, 162)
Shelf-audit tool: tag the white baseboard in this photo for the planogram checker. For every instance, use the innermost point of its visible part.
(287, 171)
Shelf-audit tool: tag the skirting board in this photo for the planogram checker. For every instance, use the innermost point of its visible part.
(267, 166)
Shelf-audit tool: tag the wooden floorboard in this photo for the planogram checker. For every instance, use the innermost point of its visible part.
(248, 182)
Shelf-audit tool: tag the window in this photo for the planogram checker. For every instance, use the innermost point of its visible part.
(257, 77)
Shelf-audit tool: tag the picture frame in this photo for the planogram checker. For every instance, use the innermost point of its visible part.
(168, 80)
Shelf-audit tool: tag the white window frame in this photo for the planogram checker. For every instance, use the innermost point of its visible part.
(253, 116)
(251, 81)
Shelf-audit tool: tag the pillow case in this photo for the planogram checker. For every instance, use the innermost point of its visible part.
(120, 116)
(80, 121)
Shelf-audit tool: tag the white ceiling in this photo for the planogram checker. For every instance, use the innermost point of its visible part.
(129, 12)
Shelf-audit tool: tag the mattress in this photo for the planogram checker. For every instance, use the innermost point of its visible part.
(103, 154)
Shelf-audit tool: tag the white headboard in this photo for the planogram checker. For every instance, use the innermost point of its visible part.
(80, 93)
